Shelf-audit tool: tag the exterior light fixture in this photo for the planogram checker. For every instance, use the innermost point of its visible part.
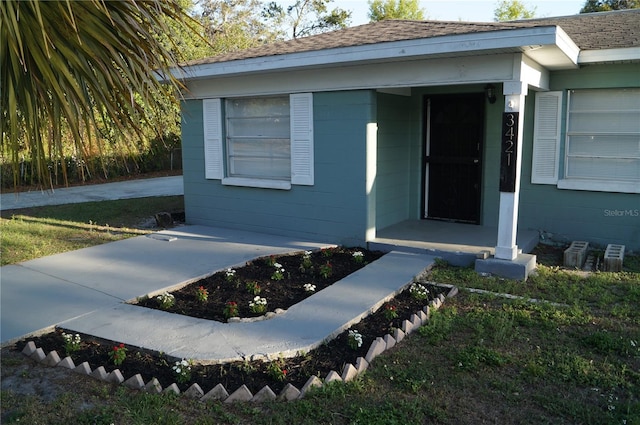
(490, 90)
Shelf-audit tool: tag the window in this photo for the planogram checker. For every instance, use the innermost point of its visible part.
(602, 144)
(257, 131)
(266, 141)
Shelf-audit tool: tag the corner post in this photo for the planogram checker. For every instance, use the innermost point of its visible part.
(510, 168)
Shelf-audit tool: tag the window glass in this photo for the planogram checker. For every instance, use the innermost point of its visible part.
(258, 138)
(603, 135)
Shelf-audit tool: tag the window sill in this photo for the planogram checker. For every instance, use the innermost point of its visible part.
(259, 183)
(600, 185)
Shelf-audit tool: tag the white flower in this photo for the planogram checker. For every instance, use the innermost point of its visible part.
(418, 291)
(308, 287)
(166, 295)
(355, 339)
(357, 254)
(258, 301)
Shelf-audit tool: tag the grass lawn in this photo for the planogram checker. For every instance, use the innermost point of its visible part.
(482, 358)
(31, 233)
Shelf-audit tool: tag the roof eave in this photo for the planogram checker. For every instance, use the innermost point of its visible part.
(556, 50)
(624, 55)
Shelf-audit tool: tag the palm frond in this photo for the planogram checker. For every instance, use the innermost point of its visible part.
(77, 64)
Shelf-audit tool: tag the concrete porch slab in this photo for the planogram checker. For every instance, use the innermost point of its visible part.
(457, 243)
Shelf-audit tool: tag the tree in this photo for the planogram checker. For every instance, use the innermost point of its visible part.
(395, 9)
(232, 25)
(307, 17)
(80, 66)
(607, 5)
(510, 10)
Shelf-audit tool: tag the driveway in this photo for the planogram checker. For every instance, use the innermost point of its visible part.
(159, 186)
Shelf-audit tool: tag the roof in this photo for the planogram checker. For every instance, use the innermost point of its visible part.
(593, 31)
(597, 31)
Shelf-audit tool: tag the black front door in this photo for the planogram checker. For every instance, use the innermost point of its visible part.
(453, 162)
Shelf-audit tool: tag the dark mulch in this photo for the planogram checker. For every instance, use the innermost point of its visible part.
(280, 294)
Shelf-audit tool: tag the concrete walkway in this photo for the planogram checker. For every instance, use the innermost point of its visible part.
(160, 186)
(85, 290)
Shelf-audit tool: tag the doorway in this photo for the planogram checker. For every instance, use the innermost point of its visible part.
(453, 144)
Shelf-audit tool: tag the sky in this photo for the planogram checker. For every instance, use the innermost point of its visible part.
(465, 10)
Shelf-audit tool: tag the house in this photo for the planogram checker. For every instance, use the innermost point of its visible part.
(408, 130)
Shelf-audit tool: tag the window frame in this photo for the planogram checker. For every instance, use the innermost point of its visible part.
(594, 183)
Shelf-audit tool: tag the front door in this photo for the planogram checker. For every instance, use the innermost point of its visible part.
(453, 157)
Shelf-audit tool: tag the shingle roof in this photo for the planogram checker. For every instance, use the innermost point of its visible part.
(596, 31)
(591, 31)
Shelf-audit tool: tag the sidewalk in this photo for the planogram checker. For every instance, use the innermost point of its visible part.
(47, 291)
(159, 186)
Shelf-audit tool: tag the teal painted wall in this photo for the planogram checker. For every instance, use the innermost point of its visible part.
(332, 210)
(565, 215)
(396, 152)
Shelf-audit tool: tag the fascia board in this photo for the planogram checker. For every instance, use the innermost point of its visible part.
(626, 54)
(521, 39)
(567, 45)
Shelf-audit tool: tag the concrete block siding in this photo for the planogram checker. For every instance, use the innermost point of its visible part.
(597, 217)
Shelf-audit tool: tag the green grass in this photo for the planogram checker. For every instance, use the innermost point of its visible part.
(37, 232)
(481, 358)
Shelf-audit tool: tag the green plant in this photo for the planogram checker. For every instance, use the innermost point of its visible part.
(202, 294)
(326, 270)
(390, 312)
(270, 260)
(278, 273)
(358, 257)
(71, 343)
(118, 354)
(166, 300)
(327, 252)
(253, 288)
(182, 370)
(230, 309)
(258, 305)
(230, 275)
(419, 292)
(276, 370)
(306, 263)
(354, 339)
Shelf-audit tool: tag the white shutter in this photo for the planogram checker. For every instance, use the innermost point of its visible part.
(546, 138)
(213, 155)
(301, 105)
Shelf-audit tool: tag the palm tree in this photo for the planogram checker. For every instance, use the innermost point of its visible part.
(78, 66)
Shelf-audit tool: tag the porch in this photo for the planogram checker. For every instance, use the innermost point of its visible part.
(457, 243)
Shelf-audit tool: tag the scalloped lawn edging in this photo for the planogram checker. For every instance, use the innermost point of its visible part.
(220, 393)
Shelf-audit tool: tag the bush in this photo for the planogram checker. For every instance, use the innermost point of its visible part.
(163, 154)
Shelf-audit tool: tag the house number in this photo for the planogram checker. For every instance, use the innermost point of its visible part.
(508, 152)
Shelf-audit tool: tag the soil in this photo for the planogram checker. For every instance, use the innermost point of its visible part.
(280, 294)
